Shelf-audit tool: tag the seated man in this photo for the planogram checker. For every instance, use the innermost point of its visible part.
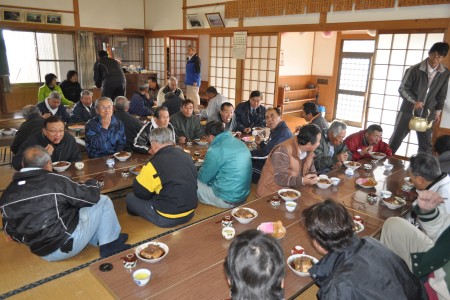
(290, 163)
(186, 124)
(215, 100)
(251, 114)
(172, 102)
(424, 251)
(227, 117)
(141, 142)
(172, 86)
(312, 115)
(56, 217)
(52, 106)
(332, 152)
(32, 125)
(225, 177)
(255, 266)
(425, 174)
(60, 146)
(354, 267)
(140, 103)
(363, 142)
(279, 132)
(442, 149)
(105, 134)
(84, 110)
(165, 191)
(131, 124)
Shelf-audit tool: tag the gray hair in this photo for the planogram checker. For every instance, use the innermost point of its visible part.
(121, 103)
(425, 165)
(86, 93)
(35, 157)
(30, 111)
(101, 99)
(143, 85)
(336, 127)
(54, 95)
(161, 135)
(173, 79)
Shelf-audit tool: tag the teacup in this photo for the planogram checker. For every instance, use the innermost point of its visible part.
(335, 180)
(129, 261)
(349, 172)
(227, 221)
(297, 250)
(275, 201)
(291, 205)
(79, 165)
(323, 176)
(141, 276)
(367, 166)
(388, 167)
(386, 194)
(228, 232)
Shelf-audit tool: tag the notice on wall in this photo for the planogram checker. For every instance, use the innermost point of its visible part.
(445, 120)
(239, 44)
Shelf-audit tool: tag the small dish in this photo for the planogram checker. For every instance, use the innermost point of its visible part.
(289, 194)
(148, 260)
(228, 232)
(366, 183)
(244, 220)
(291, 263)
(352, 164)
(60, 166)
(290, 206)
(335, 181)
(122, 156)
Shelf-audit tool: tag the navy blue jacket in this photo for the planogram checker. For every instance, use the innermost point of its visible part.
(246, 120)
(193, 67)
(140, 105)
(81, 114)
(277, 136)
(102, 142)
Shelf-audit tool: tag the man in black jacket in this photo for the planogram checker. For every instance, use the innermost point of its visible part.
(354, 267)
(31, 126)
(60, 146)
(109, 76)
(56, 217)
(84, 110)
(251, 113)
(131, 124)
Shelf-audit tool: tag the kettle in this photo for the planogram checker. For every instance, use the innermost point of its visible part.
(420, 124)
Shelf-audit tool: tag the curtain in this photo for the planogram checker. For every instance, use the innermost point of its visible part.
(86, 59)
(4, 68)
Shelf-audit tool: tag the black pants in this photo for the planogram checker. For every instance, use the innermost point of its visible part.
(112, 90)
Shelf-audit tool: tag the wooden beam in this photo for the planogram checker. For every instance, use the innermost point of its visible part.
(76, 15)
(323, 18)
(36, 8)
(201, 5)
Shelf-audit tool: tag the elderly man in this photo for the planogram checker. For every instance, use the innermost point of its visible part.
(289, 163)
(351, 265)
(109, 76)
(173, 103)
(131, 124)
(141, 143)
(441, 149)
(279, 132)
(105, 134)
(60, 146)
(362, 143)
(32, 125)
(52, 106)
(425, 174)
(251, 113)
(426, 252)
(225, 177)
(215, 100)
(172, 86)
(186, 124)
(56, 217)
(84, 110)
(423, 88)
(193, 77)
(140, 103)
(332, 151)
(165, 191)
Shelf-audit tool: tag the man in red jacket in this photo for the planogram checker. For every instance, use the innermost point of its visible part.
(362, 143)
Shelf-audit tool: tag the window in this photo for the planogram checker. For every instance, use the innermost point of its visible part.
(156, 58)
(222, 69)
(130, 50)
(31, 55)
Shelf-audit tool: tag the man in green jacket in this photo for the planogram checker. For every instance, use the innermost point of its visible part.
(224, 179)
(186, 124)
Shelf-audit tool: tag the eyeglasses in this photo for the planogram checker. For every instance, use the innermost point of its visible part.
(105, 107)
(54, 132)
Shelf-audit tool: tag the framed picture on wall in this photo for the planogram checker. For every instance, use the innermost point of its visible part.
(11, 15)
(53, 19)
(214, 20)
(194, 21)
(34, 17)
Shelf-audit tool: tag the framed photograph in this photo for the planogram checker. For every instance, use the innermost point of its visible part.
(11, 15)
(34, 17)
(53, 19)
(214, 20)
(194, 21)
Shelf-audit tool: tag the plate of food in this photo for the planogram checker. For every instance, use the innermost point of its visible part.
(248, 139)
(289, 194)
(393, 202)
(244, 215)
(366, 183)
(60, 166)
(275, 229)
(152, 252)
(357, 227)
(122, 155)
(201, 142)
(352, 164)
(324, 183)
(301, 263)
(377, 155)
(76, 127)
(136, 170)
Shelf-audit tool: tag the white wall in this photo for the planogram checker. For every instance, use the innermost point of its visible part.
(203, 53)
(298, 53)
(164, 15)
(324, 51)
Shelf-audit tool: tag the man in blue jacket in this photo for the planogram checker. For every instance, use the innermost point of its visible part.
(193, 78)
(224, 179)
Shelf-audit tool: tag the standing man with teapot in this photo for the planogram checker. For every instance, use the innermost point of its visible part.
(423, 89)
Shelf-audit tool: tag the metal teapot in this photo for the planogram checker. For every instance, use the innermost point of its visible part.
(420, 124)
